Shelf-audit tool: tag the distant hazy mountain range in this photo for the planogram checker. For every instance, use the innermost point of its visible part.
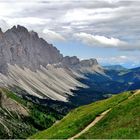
(115, 67)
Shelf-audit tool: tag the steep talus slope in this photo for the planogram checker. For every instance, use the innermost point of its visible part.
(79, 118)
(49, 82)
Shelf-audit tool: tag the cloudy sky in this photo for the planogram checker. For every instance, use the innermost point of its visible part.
(108, 30)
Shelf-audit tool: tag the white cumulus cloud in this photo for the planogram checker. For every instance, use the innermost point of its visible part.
(102, 40)
(52, 36)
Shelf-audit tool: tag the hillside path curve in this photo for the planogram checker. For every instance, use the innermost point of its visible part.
(97, 119)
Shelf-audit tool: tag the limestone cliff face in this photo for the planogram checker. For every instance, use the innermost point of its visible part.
(24, 48)
(70, 61)
(82, 66)
(29, 62)
(88, 63)
(74, 62)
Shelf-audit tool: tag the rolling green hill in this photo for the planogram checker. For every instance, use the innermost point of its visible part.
(122, 121)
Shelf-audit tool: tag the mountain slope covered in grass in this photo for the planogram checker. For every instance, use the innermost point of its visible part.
(122, 122)
(20, 118)
(125, 103)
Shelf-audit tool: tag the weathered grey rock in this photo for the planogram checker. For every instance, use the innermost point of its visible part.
(88, 62)
(29, 62)
(24, 48)
(76, 64)
(1, 33)
(70, 61)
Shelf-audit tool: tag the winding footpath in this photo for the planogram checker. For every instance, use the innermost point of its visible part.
(97, 119)
(137, 92)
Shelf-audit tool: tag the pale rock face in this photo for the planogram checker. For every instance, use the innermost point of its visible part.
(25, 49)
(82, 66)
(18, 46)
(47, 82)
(88, 63)
(70, 61)
(36, 66)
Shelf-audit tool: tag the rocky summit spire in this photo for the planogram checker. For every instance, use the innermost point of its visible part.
(21, 29)
(1, 33)
(1, 30)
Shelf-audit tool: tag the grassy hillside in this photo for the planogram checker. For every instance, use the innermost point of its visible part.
(77, 119)
(20, 118)
(122, 122)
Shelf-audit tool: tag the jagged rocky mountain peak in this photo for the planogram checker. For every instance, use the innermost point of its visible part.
(34, 34)
(89, 62)
(1, 32)
(18, 28)
(31, 63)
(26, 49)
(76, 62)
(70, 61)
